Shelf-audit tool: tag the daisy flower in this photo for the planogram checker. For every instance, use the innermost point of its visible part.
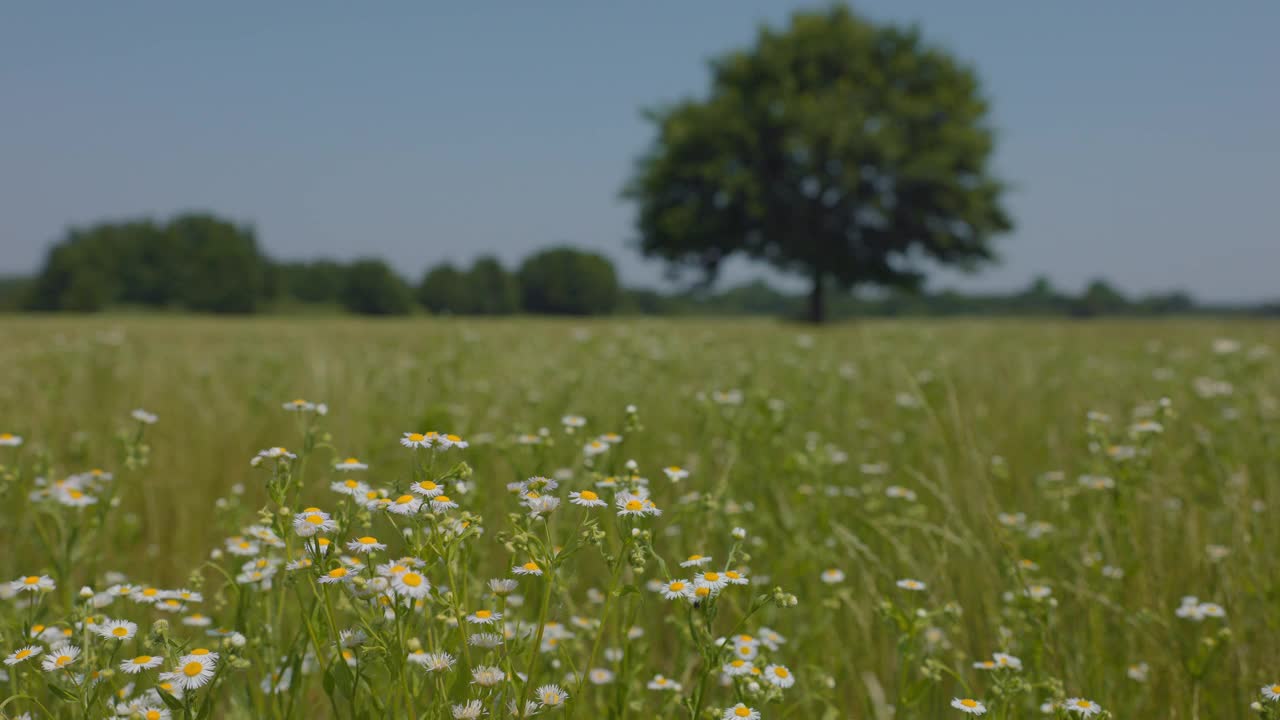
(144, 417)
(630, 504)
(1005, 660)
(415, 440)
(437, 662)
(1039, 592)
(573, 421)
(29, 652)
(1082, 707)
(485, 640)
(350, 464)
(313, 521)
(529, 568)
(600, 676)
(714, 580)
(440, 503)
(595, 447)
(1270, 692)
(151, 712)
(117, 629)
(483, 617)
(194, 672)
(740, 712)
(586, 498)
(675, 589)
(197, 620)
(969, 705)
(696, 561)
(60, 657)
(140, 663)
(909, 584)
(487, 675)
(733, 577)
(404, 505)
(831, 576)
(778, 675)
(427, 488)
(354, 488)
(660, 682)
(366, 544)
(299, 405)
(468, 711)
(450, 440)
(32, 583)
(675, 473)
(411, 583)
(274, 453)
(339, 574)
(552, 695)
(502, 586)
(10, 440)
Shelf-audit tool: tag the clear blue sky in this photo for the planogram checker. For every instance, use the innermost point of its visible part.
(1141, 137)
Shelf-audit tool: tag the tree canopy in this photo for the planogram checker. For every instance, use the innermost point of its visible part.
(849, 152)
(565, 281)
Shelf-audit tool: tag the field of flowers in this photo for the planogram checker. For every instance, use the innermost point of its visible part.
(288, 518)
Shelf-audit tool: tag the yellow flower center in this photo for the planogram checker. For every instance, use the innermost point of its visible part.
(452, 438)
(441, 499)
(677, 586)
(738, 663)
(62, 660)
(969, 703)
(711, 577)
(1084, 704)
(781, 672)
(75, 494)
(404, 499)
(483, 614)
(732, 575)
(338, 572)
(427, 485)
(315, 519)
(588, 495)
(531, 566)
(37, 629)
(417, 437)
(634, 505)
(153, 715)
(351, 483)
(166, 686)
(120, 631)
(368, 540)
(192, 668)
(200, 651)
(742, 711)
(142, 660)
(702, 591)
(694, 558)
(351, 461)
(23, 654)
(150, 592)
(31, 579)
(411, 579)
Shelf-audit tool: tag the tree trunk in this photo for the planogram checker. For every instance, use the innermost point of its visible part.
(817, 298)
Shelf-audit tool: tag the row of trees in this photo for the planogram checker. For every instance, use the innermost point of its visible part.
(202, 263)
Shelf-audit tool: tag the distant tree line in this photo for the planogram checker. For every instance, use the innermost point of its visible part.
(201, 263)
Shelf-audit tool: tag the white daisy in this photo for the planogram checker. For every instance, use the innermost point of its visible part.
(350, 464)
(404, 505)
(552, 695)
(29, 652)
(676, 589)
(354, 488)
(969, 705)
(675, 473)
(366, 544)
(117, 629)
(469, 711)
(529, 568)
(313, 521)
(586, 498)
(660, 682)
(10, 440)
(696, 561)
(339, 574)
(60, 657)
(831, 576)
(415, 440)
(779, 675)
(484, 617)
(32, 583)
(427, 488)
(1270, 692)
(440, 503)
(1082, 707)
(740, 712)
(140, 663)
(909, 584)
(410, 583)
(194, 671)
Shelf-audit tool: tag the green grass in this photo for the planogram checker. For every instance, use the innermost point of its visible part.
(972, 417)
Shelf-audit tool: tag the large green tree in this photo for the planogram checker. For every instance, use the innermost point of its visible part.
(850, 152)
(371, 287)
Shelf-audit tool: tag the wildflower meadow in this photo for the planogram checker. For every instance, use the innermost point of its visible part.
(342, 518)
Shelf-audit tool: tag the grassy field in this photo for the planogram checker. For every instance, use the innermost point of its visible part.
(1056, 488)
